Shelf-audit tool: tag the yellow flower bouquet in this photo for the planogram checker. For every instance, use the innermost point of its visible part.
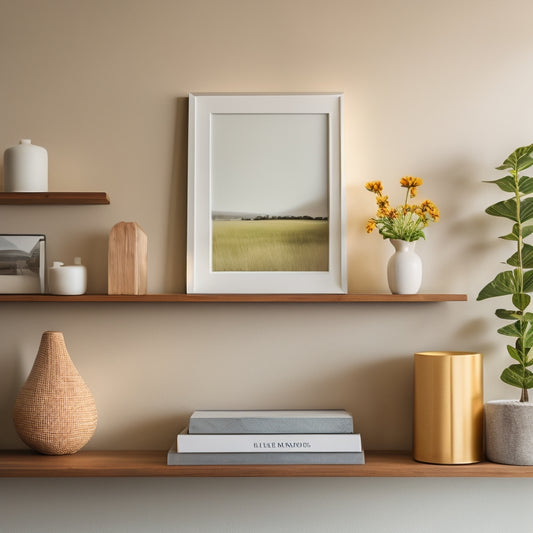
(405, 222)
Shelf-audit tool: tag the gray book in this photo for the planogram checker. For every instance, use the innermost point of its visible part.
(293, 458)
(277, 421)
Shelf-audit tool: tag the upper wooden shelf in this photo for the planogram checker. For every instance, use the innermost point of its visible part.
(153, 464)
(191, 298)
(54, 198)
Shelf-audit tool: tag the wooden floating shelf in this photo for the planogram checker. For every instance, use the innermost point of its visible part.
(225, 298)
(153, 464)
(54, 198)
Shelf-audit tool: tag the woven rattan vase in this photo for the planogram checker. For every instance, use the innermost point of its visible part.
(55, 412)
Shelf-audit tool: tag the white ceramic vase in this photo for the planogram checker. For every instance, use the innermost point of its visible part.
(509, 432)
(404, 269)
(26, 168)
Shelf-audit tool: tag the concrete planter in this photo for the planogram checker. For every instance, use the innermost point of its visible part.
(509, 432)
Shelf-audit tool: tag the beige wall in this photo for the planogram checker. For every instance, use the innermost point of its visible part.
(438, 90)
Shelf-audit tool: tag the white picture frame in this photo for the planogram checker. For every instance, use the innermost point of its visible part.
(258, 158)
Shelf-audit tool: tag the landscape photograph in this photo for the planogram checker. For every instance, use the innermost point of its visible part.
(269, 193)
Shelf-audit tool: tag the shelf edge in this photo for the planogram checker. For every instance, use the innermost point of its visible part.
(54, 198)
(238, 298)
(25, 463)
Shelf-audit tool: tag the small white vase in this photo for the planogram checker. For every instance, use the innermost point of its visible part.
(26, 168)
(69, 279)
(404, 269)
(509, 432)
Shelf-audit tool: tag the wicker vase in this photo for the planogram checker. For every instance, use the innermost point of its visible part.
(55, 412)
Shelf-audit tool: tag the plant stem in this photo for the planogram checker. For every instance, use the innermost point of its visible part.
(519, 232)
(524, 397)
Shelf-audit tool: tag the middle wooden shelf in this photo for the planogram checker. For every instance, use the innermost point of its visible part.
(243, 298)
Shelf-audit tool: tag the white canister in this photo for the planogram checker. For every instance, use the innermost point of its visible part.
(26, 168)
(65, 280)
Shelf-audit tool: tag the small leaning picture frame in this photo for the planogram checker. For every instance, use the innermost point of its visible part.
(266, 208)
(22, 263)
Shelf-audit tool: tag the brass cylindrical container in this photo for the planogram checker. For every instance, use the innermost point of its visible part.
(448, 407)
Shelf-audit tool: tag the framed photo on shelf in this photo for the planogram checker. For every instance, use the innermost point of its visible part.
(265, 194)
(22, 264)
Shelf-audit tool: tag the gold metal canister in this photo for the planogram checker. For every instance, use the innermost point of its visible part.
(448, 407)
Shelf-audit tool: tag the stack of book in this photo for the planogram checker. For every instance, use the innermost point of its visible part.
(268, 437)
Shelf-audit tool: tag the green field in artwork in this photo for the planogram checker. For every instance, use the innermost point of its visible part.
(270, 245)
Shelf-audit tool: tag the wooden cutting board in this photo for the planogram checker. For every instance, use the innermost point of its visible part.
(127, 259)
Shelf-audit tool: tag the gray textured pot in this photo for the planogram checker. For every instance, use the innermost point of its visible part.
(509, 432)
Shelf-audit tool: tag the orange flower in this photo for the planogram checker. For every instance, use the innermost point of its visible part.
(374, 186)
(370, 225)
(410, 181)
(382, 201)
(429, 208)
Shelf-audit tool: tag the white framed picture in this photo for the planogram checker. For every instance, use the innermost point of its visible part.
(265, 194)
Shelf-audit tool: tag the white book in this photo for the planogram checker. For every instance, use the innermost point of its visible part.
(272, 443)
(298, 458)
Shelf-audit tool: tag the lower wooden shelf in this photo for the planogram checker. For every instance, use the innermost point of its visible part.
(22, 463)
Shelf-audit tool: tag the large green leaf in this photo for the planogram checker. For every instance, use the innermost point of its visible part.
(528, 382)
(525, 185)
(521, 351)
(513, 352)
(508, 209)
(528, 281)
(505, 208)
(527, 230)
(521, 300)
(526, 210)
(503, 283)
(514, 375)
(513, 236)
(528, 338)
(519, 160)
(507, 183)
(527, 257)
(511, 330)
(508, 314)
(509, 237)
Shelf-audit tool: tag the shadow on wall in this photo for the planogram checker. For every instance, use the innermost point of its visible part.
(384, 407)
(465, 224)
(154, 433)
(175, 269)
(95, 246)
(367, 254)
(14, 375)
(378, 394)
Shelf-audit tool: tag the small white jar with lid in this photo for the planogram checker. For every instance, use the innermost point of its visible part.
(26, 168)
(67, 280)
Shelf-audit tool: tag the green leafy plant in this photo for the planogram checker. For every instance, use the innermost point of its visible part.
(516, 281)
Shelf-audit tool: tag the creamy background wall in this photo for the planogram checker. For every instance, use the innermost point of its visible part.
(433, 89)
